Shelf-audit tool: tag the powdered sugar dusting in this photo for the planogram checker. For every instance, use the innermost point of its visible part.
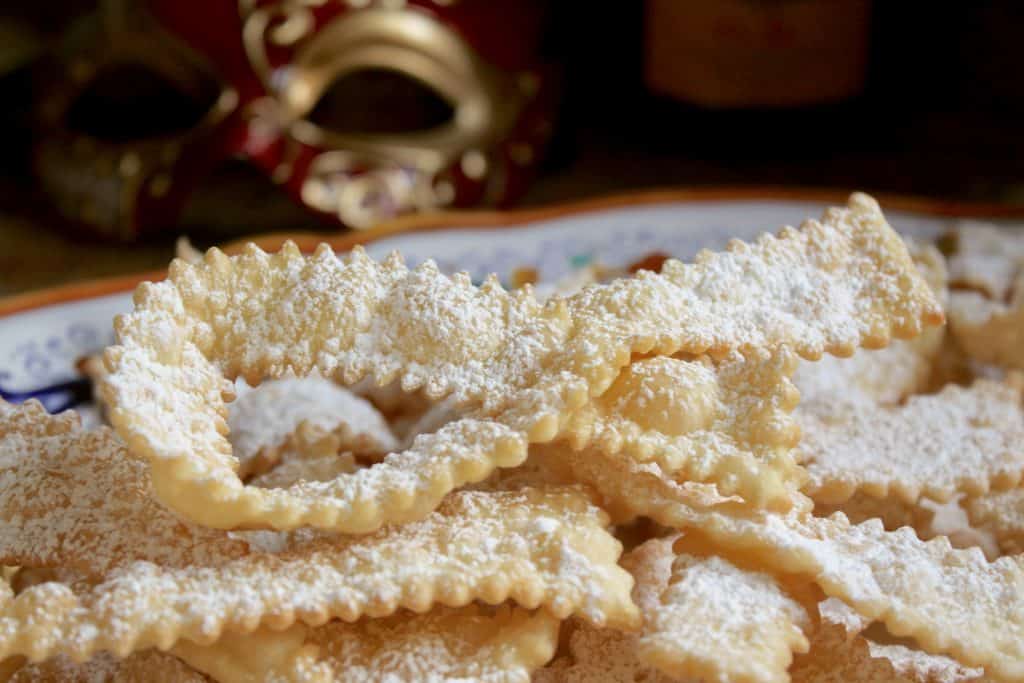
(836, 658)
(990, 331)
(72, 498)
(987, 311)
(921, 666)
(263, 419)
(608, 655)
(833, 285)
(445, 645)
(720, 622)
(959, 440)
(950, 601)
(827, 288)
(987, 258)
(441, 559)
(1001, 514)
(838, 613)
(728, 422)
(150, 666)
(886, 376)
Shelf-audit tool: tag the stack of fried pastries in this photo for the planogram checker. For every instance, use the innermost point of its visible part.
(324, 468)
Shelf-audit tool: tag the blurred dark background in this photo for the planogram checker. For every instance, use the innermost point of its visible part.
(934, 108)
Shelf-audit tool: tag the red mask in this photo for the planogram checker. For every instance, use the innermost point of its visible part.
(360, 110)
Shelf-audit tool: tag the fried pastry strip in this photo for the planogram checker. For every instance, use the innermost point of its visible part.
(835, 657)
(79, 499)
(884, 375)
(986, 314)
(297, 466)
(150, 666)
(990, 331)
(721, 623)
(283, 415)
(961, 440)
(726, 423)
(829, 287)
(607, 655)
(265, 419)
(833, 285)
(891, 511)
(1002, 514)
(949, 600)
(601, 656)
(920, 667)
(467, 644)
(986, 258)
(538, 548)
(263, 655)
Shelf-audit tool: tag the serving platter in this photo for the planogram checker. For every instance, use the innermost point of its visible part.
(43, 334)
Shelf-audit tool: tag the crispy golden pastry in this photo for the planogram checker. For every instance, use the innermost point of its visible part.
(838, 613)
(961, 440)
(834, 285)
(950, 601)
(985, 258)
(401, 409)
(885, 375)
(951, 520)
(150, 666)
(1001, 514)
(263, 655)
(303, 465)
(725, 422)
(837, 648)
(290, 302)
(265, 419)
(930, 263)
(539, 471)
(467, 644)
(892, 512)
(184, 250)
(836, 658)
(666, 399)
(9, 666)
(720, 622)
(990, 331)
(538, 548)
(435, 417)
(596, 655)
(920, 667)
(26, 577)
(79, 499)
(987, 312)
(829, 287)
(601, 656)
(927, 518)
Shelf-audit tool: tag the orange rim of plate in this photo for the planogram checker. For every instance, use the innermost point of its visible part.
(465, 220)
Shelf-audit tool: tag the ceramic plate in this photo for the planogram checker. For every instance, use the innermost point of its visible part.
(43, 334)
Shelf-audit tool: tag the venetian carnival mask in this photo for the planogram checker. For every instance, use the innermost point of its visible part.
(360, 110)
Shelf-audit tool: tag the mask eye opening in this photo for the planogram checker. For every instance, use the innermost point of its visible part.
(380, 101)
(130, 101)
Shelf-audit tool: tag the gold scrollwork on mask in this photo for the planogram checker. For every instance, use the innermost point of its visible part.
(340, 182)
(363, 176)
